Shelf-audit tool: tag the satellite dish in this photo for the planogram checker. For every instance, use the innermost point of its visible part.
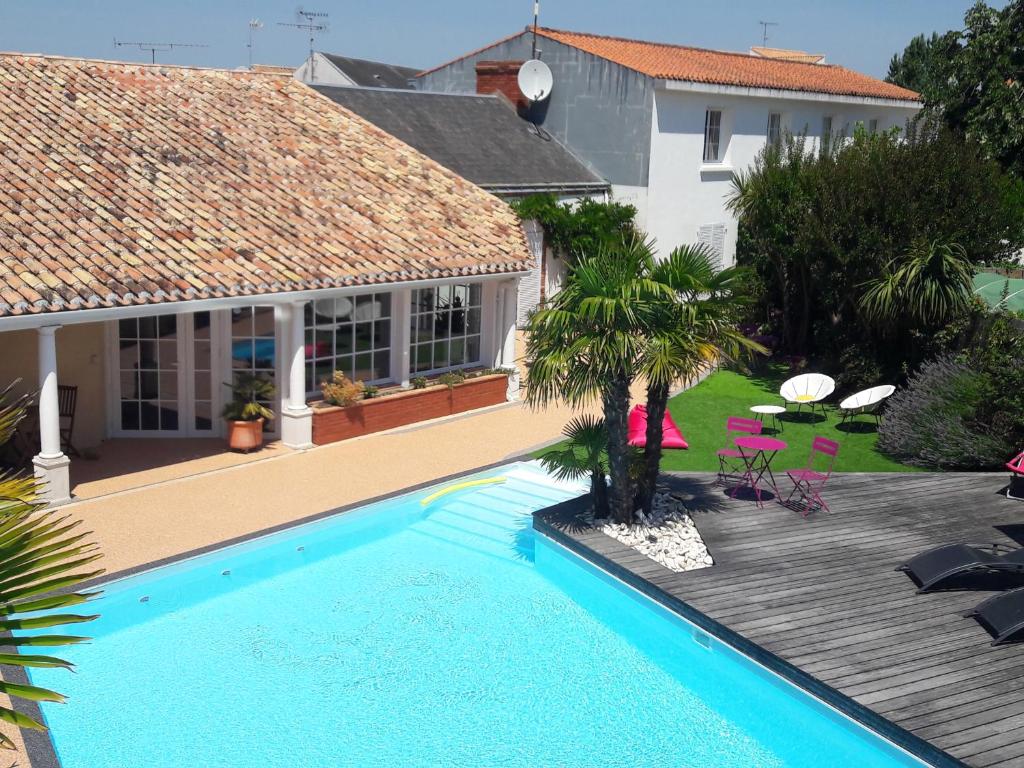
(535, 80)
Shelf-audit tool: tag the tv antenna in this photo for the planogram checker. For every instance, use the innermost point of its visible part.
(312, 22)
(254, 24)
(155, 48)
(536, 14)
(764, 30)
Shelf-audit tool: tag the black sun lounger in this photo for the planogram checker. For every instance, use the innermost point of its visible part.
(1002, 615)
(941, 566)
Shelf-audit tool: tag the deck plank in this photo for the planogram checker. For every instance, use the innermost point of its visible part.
(824, 595)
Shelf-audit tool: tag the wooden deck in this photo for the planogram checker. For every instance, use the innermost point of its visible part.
(822, 594)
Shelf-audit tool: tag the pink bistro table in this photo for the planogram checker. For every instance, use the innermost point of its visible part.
(757, 452)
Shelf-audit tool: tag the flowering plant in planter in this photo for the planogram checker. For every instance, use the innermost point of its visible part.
(341, 390)
(245, 412)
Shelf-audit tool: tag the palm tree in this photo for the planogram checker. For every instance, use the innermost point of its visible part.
(41, 557)
(928, 287)
(588, 340)
(693, 331)
(582, 455)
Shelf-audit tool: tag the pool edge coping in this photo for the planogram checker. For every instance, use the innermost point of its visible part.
(40, 751)
(550, 521)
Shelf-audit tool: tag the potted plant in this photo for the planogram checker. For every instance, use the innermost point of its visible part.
(245, 413)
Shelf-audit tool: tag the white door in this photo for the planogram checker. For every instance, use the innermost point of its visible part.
(164, 376)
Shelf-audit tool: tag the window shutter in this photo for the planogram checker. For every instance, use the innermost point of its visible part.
(713, 236)
(529, 285)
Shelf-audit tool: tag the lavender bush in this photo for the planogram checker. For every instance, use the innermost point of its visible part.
(934, 421)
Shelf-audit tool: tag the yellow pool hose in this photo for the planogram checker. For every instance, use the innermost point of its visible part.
(460, 486)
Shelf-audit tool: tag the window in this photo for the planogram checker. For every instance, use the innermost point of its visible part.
(873, 125)
(774, 129)
(445, 327)
(351, 334)
(712, 136)
(826, 132)
(253, 346)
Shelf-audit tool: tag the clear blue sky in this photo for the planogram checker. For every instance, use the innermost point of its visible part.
(862, 34)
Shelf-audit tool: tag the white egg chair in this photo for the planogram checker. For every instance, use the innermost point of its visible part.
(865, 401)
(807, 389)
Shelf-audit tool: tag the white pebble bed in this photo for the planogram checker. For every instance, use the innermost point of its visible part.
(668, 536)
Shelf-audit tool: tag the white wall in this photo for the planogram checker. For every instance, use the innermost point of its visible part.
(321, 73)
(684, 194)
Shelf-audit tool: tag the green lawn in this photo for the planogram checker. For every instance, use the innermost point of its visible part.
(701, 414)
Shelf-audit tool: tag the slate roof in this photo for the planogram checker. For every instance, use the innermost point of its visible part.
(665, 61)
(373, 74)
(479, 137)
(127, 184)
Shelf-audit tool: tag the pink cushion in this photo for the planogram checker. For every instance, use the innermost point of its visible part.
(671, 436)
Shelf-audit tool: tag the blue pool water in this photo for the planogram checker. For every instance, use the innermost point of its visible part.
(402, 635)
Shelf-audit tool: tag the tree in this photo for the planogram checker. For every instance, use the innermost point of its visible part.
(927, 286)
(41, 561)
(583, 455)
(923, 64)
(817, 229)
(587, 341)
(694, 330)
(974, 79)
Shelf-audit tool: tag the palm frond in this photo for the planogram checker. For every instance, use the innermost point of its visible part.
(42, 560)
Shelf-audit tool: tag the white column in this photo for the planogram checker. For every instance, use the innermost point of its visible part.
(50, 464)
(507, 335)
(296, 416)
(401, 311)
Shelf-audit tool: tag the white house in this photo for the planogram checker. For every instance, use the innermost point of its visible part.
(668, 125)
(164, 228)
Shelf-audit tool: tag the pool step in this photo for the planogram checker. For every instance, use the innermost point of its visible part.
(495, 519)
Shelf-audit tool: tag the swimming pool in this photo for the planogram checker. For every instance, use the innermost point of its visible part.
(409, 635)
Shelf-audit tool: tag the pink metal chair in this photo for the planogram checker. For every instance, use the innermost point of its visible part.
(810, 480)
(1015, 490)
(730, 459)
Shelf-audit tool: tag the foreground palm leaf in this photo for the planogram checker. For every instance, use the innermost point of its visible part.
(42, 559)
(584, 454)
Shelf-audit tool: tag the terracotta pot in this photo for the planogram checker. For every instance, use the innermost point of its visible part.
(245, 435)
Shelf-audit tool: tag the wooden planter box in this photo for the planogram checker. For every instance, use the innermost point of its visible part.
(333, 423)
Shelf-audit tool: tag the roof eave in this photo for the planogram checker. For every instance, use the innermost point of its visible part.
(60, 317)
(566, 188)
(783, 93)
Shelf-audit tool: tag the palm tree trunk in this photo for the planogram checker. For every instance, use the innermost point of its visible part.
(657, 402)
(615, 399)
(599, 494)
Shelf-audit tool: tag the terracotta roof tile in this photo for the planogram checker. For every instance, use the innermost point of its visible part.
(666, 61)
(699, 65)
(127, 183)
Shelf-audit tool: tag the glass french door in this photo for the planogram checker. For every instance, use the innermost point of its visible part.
(253, 334)
(166, 367)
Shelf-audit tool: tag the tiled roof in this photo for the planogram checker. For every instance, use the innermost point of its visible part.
(699, 65)
(787, 55)
(126, 184)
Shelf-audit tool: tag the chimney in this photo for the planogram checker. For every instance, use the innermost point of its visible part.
(501, 77)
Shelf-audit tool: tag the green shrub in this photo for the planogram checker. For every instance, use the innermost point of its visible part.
(820, 229)
(370, 391)
(418, 382)
(451, 378)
